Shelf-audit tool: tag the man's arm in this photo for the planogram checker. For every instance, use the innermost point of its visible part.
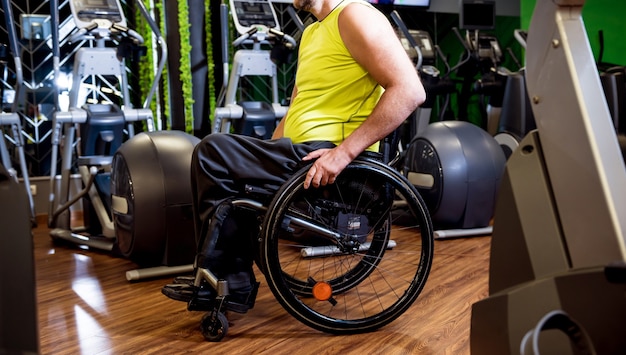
(369, 37)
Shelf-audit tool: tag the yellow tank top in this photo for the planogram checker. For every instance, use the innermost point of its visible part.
(335, 94)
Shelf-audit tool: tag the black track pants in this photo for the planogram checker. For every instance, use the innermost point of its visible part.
(222, 166)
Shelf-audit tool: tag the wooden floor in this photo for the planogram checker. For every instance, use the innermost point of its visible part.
(86, 306)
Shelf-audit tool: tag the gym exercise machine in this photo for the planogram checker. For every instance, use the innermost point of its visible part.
(151, 203)
(504, 104)
(559, 240)
(482, 58)
(257, 25)
(12, 119)
(455, 165)
(516, 118)
(101, 126)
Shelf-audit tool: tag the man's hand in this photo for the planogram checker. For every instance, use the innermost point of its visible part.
(329, 163)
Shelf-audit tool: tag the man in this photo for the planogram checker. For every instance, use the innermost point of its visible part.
(354, 86)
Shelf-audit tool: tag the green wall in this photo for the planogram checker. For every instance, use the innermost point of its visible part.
(598, 15)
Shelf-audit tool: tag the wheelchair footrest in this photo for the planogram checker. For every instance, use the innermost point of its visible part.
(205, 299)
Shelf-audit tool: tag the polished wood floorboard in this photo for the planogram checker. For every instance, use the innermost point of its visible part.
(86, 306)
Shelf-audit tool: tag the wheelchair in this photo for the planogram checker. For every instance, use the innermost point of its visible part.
(345, 258)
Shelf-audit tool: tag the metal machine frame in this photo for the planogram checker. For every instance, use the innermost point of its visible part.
(98, 24)
(560, 222)
(12, 118)
(256, 22)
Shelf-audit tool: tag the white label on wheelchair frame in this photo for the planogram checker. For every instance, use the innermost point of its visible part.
(354, 223)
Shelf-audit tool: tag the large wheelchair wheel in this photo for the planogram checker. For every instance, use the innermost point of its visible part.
(349, 257)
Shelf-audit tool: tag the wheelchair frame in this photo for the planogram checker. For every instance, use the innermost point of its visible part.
(363, 279)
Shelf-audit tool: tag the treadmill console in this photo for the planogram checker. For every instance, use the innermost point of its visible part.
(424, 42)
(102, 12)
(254, 13)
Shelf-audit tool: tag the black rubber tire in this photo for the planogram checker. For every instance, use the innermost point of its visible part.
(356, 209)
(214, 326)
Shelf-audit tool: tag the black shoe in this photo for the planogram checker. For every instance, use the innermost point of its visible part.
(241, 301)
(186, 279)
(203, 299)
(186, 292)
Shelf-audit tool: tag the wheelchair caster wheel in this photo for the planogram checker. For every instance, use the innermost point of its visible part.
(214, 326)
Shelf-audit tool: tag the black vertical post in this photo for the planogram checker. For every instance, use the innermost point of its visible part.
(177, 103)
(199, 67)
